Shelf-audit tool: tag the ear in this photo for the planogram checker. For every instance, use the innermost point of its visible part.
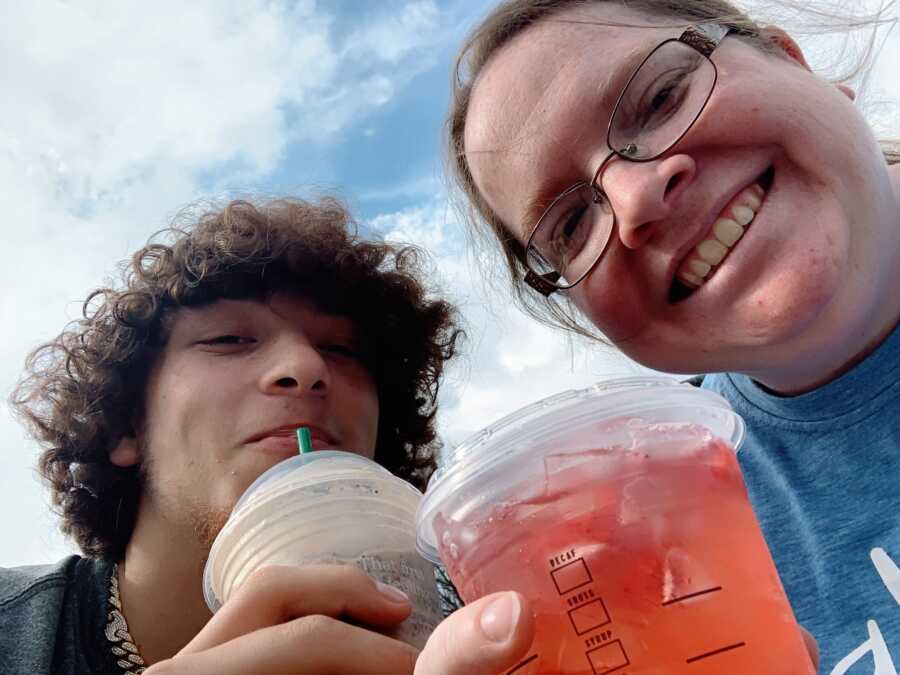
(785, 43)
(126, 452)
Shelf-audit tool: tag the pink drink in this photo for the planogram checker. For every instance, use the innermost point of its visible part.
(639, 561)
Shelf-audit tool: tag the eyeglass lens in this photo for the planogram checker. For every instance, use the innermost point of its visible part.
(661, 101)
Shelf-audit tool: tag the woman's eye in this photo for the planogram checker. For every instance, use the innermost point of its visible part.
(566, 240)
(661, 102)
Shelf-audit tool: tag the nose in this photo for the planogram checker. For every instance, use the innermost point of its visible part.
(295, 368)
(643, 194)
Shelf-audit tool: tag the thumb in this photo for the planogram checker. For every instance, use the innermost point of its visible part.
(488, 637)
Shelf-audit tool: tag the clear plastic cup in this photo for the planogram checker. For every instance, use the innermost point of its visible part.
(620, 512)
(328, 507)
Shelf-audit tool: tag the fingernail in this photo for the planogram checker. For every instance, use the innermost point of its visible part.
(392, 593)
(498, 620)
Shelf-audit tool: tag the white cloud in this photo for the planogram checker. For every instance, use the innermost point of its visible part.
(109, 94)
(420, 225)
(394, 37)
(419, 188)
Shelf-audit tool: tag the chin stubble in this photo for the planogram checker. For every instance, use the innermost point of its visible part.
(203, 521)
(206, 522)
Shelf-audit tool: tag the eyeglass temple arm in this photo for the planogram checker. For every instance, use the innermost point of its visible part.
(545, 284)
(705, 37)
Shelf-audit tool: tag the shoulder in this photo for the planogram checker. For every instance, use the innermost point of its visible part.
(19, 584)
(720, 383)
(32, 601)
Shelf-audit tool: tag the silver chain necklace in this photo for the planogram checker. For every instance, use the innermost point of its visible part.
(122, 644)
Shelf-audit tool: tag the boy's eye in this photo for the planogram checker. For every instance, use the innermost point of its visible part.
(228, 340)
(343, 350)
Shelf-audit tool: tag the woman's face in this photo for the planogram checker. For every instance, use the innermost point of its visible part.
(806, 271)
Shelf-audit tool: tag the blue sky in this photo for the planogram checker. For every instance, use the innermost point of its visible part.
(116, 115)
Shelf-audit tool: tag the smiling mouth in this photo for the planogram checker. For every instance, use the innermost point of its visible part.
(701, 263)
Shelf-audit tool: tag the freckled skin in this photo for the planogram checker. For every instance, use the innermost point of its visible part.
(809, 288)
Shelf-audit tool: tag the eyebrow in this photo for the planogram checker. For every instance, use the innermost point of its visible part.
(611, 84)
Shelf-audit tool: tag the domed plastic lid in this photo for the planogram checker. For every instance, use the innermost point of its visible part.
(339, 463)
(516, 438)
(303, 479)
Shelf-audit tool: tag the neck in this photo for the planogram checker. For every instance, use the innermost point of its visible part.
(160, 587)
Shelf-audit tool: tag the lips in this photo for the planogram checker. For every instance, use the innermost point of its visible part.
(702, 261)
(283, 438)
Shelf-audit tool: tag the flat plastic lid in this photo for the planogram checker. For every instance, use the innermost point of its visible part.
(520, 432)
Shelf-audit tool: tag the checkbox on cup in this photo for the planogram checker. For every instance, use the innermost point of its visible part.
(571, 576)
(589, 617)
(608, 658)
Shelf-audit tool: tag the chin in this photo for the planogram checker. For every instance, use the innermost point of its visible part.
(791, 305)
(765, 335)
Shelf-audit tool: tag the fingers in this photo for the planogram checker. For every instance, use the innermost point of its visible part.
(311, 645)
(812, 646)
(276, 595)
(488, 637)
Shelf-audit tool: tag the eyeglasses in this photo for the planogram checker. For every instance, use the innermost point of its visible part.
(659, 104)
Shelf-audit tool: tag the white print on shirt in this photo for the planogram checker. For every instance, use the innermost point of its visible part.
(884, 665)
(890, 573)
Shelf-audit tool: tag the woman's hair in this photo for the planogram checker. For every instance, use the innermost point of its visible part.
(508, 20)
(82, 392)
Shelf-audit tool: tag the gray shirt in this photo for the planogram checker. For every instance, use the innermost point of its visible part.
(53, 619)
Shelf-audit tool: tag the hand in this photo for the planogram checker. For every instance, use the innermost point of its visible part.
(300, 620)
(487, 637)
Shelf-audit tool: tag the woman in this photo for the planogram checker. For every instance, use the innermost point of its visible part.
(675, 173)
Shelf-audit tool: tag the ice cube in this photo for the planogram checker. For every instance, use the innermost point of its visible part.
(643, 499)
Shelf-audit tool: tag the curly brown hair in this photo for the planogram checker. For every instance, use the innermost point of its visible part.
(80, 391)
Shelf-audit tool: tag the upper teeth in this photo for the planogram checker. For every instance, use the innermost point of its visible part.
(726, 232)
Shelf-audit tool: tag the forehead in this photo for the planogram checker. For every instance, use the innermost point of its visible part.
(540, 107)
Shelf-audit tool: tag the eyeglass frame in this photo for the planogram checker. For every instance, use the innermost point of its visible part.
(704, 38)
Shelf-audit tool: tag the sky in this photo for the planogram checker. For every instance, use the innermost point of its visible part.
(118, 114)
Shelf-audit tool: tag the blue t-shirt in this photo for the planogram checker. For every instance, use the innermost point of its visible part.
(823, 473)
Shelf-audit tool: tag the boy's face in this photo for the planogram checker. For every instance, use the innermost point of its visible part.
(235, 379)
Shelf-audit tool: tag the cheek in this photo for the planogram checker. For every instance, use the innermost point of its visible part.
(372, 412)
(183, 412)
(797, 293)
(360, 411)
(615, 308)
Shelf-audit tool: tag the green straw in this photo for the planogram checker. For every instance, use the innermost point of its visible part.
(304, 440)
